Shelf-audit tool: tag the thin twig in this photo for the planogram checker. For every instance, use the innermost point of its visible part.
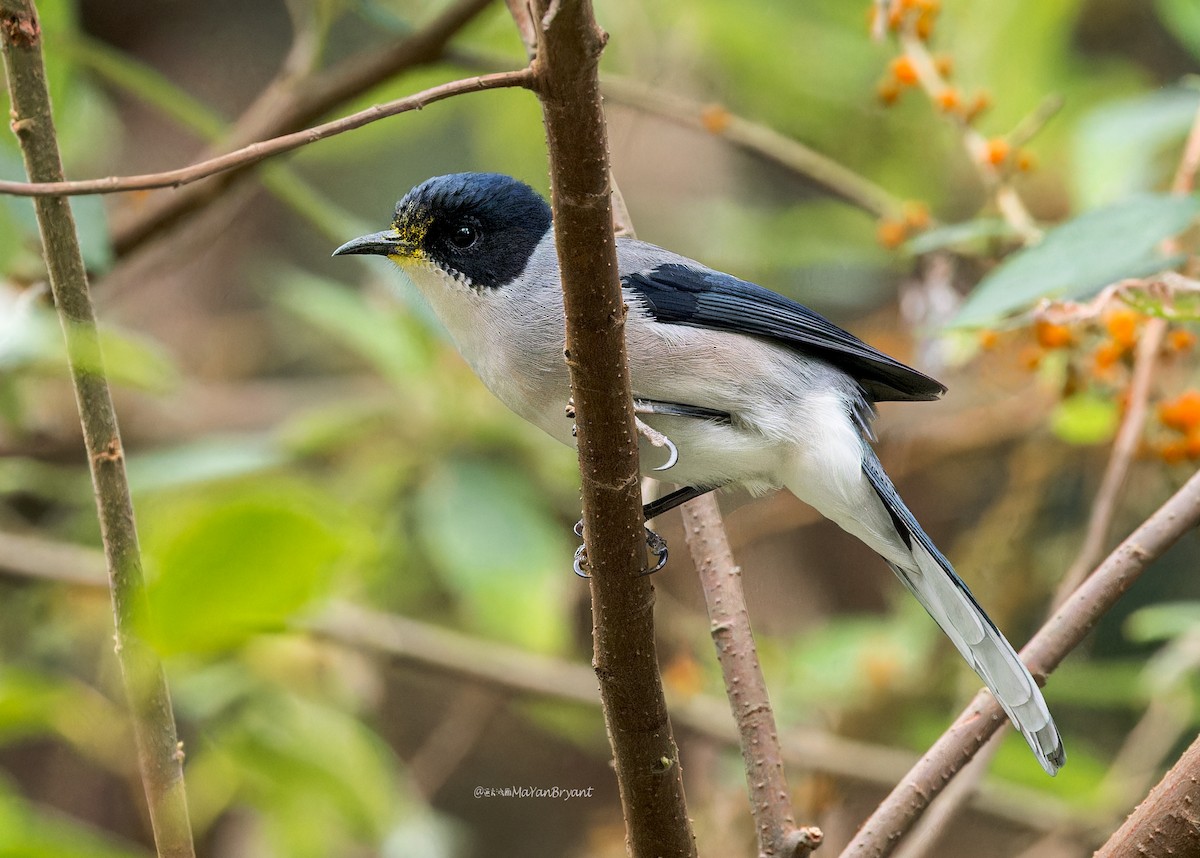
(646, 758)
(1007, 200)
(1125, 448)
(256, 152)
(159, 753)
(757, 139)
(754, 138)
(1064, 631)
(770, 798)
(290, 103)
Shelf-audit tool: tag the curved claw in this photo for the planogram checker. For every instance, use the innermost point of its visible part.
(670, 445)
(580, 559)
(658, 547)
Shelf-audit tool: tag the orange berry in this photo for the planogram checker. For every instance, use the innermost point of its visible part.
(1052, 336)
(1182, 412)
(916, 215)
(929, 7)
(988, 340)
(997, 151)
(904, 70)
(944, 63)
(1025, 160)
(1107, 354)
(715, 118)
(1122, 325)
(924, 27)
(888, 92)
(1181, 340)
(1173, 452)
(948, 100)
(895, 18)
(891, 233)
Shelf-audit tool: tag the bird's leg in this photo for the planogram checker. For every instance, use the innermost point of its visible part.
(666, 503)
(656, 544)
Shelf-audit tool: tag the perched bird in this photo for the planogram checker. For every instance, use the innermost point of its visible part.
(749, 387)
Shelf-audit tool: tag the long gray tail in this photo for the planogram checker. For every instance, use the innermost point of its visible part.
(943, 594)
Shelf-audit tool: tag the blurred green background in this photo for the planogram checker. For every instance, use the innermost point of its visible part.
(303, 439)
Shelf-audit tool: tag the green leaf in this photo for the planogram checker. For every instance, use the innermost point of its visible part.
(1086, 418)
(391, 342)
(1082, 256)
(1119, 147)
(1162, 622)
(234, 568)
(498, 546)
(204, 460)
(957, 235)
(26, 832)
(1182, 18)
(288, 751)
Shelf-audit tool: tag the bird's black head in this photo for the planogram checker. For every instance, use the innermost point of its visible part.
(480, 228)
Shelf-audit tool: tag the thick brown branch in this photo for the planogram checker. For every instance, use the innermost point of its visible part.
(1168, 821)
(1062, 633)
(159, 754)
(569, 44)
(770, 798)
(256, 152)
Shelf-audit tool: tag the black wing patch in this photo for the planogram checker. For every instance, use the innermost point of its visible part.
(681, 295)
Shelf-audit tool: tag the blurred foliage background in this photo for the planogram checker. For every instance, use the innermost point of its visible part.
(302, 438)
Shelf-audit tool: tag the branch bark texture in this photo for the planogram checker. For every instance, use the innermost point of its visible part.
(1168, 821)
(159, 755)
(880, 834)
(569, 44)
(770, 798)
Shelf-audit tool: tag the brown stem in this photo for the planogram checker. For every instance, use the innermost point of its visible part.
(256, 152)
(569, 44)
(159, 753)
(770, 798)
(893, 818)
(1168, 821)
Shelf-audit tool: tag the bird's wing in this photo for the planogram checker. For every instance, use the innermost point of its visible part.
(684, 293)
(932, 579)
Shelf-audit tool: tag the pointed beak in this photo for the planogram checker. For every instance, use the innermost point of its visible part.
(386, 243)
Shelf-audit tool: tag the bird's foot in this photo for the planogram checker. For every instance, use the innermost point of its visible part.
(656, 544)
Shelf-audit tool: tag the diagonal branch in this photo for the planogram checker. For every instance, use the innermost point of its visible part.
(159, 753)
(256, 152)
(1064, 631)
(293, 102)
(1168, 821)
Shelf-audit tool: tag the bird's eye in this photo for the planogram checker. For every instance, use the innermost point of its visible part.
(464, 236)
